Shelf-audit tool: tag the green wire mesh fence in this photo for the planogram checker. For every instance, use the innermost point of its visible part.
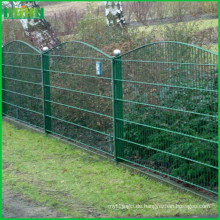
(154, 107)
(76, 98)
(22, 83)
(170, 111)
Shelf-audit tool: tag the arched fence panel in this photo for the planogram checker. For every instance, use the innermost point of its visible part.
(79, 106)
(22, 83)
(155, 106)
(170, 112)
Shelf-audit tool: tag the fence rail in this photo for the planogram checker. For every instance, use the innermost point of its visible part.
(155, 106)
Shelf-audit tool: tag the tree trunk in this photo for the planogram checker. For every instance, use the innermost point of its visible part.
(39, 31)
(114, 14)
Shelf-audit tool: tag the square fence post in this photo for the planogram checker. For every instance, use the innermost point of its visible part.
(46, 90)
(118, 106)
(4, 110)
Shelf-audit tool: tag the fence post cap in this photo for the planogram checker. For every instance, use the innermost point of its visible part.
(117, 52)
(45, 48)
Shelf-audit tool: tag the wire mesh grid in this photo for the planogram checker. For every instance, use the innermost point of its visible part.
(155, 106)
(22, 83)
(80, 100)
(170, 114)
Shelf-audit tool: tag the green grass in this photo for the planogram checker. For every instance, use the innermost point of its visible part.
(71, 180)
(203, 24)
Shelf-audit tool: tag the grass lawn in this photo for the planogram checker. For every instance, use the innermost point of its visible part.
(79, 184)
(203, 24)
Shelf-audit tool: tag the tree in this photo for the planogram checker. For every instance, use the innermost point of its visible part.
(142, 11)
(39, 31)
(114, 14)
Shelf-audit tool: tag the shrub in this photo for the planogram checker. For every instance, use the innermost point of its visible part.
(182, 32)
(196, 125)
(93, 29)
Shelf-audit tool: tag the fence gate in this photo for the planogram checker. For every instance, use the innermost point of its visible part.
(155, 106)
(170, 116)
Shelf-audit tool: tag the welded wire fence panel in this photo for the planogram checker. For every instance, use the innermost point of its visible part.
(155, 107)
(170, 112)
(80, 100)
(22, 83)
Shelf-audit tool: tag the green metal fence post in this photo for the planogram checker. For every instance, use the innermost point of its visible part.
(117, 106)
(46, 90)
(4, 110)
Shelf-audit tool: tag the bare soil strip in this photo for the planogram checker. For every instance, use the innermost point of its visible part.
(16, 206)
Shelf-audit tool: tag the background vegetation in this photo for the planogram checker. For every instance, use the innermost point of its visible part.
(190, 22)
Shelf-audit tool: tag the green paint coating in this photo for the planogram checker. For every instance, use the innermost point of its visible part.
(126, 63)
(4, 110)
(46, 91)
(118, 108)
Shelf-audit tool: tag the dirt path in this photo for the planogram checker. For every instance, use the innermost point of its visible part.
(16, 206)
